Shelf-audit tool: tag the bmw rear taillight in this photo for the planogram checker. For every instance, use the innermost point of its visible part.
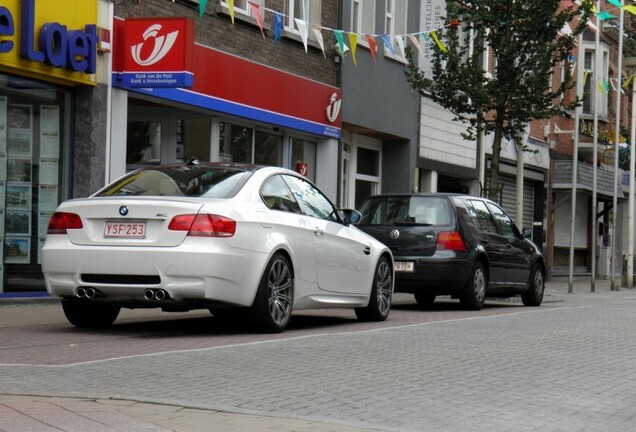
(60, 222)
(203, 225)
(450, 240)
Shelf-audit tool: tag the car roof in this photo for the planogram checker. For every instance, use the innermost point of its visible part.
(226, 165)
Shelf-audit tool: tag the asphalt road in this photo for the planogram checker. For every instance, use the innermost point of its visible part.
(565, 366)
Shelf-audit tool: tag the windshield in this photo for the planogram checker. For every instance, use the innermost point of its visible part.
(406, 210)
(191, 181)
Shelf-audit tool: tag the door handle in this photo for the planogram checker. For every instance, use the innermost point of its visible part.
(367, 250)
(318, 232)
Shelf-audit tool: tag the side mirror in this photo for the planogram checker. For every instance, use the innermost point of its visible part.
(351, 216)
(527, 233)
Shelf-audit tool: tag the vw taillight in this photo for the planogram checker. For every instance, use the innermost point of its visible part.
(61, 221)
(203, 225)
(450, 240)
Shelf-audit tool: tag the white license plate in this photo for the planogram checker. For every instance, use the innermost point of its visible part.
(403, 266)
(125, 229)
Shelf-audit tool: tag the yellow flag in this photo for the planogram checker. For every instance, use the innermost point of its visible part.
(230, 6)
(353, 42)
(630, 8)
(628, 80)
(585, 75)
(439, 43)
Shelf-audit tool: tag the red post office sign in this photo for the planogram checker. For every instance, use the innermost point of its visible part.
(155, 52)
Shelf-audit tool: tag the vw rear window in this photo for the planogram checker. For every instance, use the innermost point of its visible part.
(179, 181)
(406, 210)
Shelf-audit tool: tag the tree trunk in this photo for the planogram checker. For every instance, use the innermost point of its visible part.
(493, 183)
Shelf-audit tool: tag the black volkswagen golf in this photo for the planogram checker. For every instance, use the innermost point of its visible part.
(458, 245)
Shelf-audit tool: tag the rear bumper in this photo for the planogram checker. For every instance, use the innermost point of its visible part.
(438, 275)
(197, 270)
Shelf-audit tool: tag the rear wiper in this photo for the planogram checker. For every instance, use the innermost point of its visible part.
(411, 224)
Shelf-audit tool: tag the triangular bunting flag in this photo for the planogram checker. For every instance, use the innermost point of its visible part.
(615, 3)
(341, 44)
(230, 6)
(605, 15)
(388, 44)
(353, 43)
(585, 75)
(416, 43)
(302, 28)
(627, 81)
(319, 38)
(399, 39)
(372, 46)
(202, 4)
(438, 42)
(630, 8)
(256, 13)
(278, 27)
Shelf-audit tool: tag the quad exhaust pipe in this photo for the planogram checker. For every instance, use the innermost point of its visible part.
(156, 294)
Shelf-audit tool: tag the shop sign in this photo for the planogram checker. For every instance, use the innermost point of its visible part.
(156, 52)
(52, 39)
(586, 128)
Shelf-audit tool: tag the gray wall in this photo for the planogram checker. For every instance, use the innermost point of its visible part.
(377, 97)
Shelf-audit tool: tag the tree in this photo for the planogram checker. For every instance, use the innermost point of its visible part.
(527, 42)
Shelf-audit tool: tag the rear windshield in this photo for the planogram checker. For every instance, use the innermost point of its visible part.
(406, 210)
(180, 181)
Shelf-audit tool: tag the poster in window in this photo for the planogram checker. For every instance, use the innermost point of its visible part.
(17, 250)
(3, 124)
(43, 222)
(18, 196)
(47, 198)
(48, 171)
(19, 122)
(3, 166)
(50, 131)
(18, 222)
(19, 170)
(40, 246)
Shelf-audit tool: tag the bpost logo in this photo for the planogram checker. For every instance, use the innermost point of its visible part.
(162, 46)
(157, 52)
(333, 109)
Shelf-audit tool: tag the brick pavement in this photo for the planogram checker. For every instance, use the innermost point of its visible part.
(566, 366)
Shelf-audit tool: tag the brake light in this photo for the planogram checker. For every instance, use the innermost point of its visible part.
(60, 222)
(203, 225)
(450, 240)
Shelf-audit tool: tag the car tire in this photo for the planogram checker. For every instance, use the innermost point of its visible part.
(272, 307)
(381, 295)
(424, 299)
(89, 315)
(534, 295)
(474, 294)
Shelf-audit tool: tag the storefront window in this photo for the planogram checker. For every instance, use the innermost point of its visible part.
(235, 143)
(143, 144)
(193, 139)
(304, 152)
(34, 175)
(268, 149)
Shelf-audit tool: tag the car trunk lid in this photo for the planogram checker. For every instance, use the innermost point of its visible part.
(135, 221)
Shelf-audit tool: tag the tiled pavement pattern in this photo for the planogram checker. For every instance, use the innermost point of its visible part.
(566, 366)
